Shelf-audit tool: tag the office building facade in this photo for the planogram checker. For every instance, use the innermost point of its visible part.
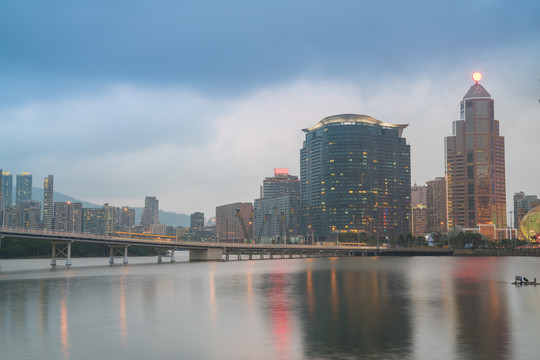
(24, 188)
(48, 202)
(354, 176)
(276, 217)
(94, 221)
(196, 222)
(68, 217)
(436, 205)
(126, 218)
(475, 164)
(234, 222)
(7, 190)
(150, 214)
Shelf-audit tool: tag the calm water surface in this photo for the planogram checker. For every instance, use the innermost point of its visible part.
(327, 308)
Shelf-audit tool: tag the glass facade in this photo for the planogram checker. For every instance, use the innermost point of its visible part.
(530, 225)
(48, 202)
(475, 169)
(7, 190)
(24, 188)
(354, 176)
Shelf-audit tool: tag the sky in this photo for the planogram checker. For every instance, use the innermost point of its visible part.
(196, 102)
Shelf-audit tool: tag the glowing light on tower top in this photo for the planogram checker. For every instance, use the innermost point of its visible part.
(477, 77)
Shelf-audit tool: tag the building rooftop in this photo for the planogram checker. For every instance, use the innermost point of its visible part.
(476, 91)
(354, 118)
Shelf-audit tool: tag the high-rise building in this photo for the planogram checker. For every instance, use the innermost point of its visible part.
(475, 164)
(7, 190)
(234, 222)
(418, 195)
(48, 202)
(419, 211)
(276, 212)
(94, 221)
(68, 217)
(354, 176)
(158, 229)
(109, 218)
(196, 222)
(24, 188)
(276, 218)
(280, 184)
(126, 218)
(29, 214)
(150, 214)
(419, 217)
(436, 205)
(1, 186)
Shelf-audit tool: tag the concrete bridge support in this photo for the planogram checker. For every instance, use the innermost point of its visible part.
(62, 249)
(165, 253)
(116, 250)
(211, 254)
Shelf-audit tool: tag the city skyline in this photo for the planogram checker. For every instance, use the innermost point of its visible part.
(198, 130)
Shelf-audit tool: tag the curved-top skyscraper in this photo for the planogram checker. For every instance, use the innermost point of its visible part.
(354, 176)
(475, 170)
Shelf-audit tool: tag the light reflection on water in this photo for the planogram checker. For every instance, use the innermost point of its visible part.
(333, 308)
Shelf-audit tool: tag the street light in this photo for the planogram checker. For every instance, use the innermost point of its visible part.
(511, 229)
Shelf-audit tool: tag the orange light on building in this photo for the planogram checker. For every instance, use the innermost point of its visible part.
(477, 76)
(281, 171)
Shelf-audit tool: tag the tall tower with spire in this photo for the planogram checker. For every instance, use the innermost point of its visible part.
(475, 165)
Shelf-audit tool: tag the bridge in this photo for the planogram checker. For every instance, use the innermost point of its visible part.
(201, 251)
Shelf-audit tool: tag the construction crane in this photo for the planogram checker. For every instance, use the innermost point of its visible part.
(262, 227)
(242, 225)
(284, 221)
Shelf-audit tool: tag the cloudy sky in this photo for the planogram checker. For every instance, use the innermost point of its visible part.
(195, 102)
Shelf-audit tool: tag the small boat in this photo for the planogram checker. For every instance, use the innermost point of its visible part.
(524, 283)
(520, 280)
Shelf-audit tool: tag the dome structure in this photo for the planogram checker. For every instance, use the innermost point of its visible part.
(530, 225)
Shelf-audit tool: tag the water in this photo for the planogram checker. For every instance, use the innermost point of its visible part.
(324, 308)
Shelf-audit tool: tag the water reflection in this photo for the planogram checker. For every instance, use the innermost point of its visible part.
(64, 335)
(351, 312)
(122, 313)
(279, 315)
(482, 311)
(369, 308)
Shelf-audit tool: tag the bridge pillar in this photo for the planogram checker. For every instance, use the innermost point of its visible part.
(64, 251)
(250, 255)
(173, 259)
(111, 255)
(239, 255)
(227, 256)
(116, 250)
(271, 255)
(290, 254)
(282, 254)
(262, 255)
(210, 254)
(125, 255)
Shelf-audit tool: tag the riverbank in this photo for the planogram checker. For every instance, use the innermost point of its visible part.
(497, 252)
